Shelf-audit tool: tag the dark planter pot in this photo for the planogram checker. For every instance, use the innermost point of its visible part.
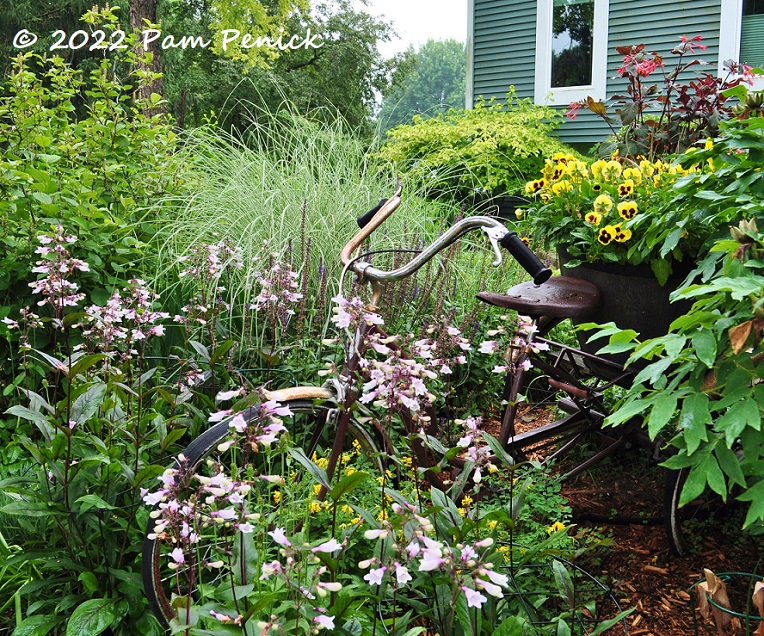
(632, 298)
(502, 206)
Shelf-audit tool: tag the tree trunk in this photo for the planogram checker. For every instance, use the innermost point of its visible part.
(140, 10)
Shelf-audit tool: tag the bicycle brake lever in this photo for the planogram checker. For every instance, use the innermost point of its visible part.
(495, 234)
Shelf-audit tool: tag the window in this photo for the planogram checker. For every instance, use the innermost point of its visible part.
(742, 34)
(571, 50)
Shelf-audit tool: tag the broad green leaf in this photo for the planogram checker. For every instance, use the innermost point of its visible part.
(730, 464)
(662, 412)
(627, 411)
(564, 583)
(738, 417)
(87, 404)
(755, 495)
(714, 476)
(694, 486)
(92, 617)
(37, 625)
(693, 419)
(512, 626)
(347, 484)
(704, 344)
(88, 502)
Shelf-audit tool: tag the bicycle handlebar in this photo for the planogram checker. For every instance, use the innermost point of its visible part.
(496, 231)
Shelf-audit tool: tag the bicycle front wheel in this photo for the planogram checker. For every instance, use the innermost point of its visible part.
(222, 482)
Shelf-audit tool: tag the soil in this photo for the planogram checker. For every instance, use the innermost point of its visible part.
(621, 499)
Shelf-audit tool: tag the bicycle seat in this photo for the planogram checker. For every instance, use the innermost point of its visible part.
(559, 297)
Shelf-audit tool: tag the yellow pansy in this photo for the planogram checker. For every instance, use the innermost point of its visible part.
(597, 167)
(606, 235)
(626, 188)
(555, 527)
(612, 171)
(635, 174)
(622, 234)
(603, 204)
(593, 218)
(646, 168)
(562, 186)
(628, 209)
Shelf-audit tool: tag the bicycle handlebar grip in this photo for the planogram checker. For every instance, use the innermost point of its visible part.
(364, 219)
(527, 259)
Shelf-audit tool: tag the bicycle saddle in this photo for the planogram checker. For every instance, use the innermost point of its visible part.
(559, 297)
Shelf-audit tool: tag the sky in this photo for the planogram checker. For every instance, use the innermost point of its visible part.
(417, 21)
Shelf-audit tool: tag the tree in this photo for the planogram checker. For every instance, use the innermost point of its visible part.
(427, 82)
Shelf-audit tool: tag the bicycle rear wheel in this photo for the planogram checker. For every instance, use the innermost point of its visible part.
(176, 580)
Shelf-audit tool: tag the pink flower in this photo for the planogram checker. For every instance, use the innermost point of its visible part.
(402, 575)
(178, 556)
(326, 622)
(374, 577)
(329, 546)
(574, 108)
(474, 598)
(487, 346)
(279, 536)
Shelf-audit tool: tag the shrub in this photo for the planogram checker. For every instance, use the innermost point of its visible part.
(77, 152)
(703, 387)
(493, 148)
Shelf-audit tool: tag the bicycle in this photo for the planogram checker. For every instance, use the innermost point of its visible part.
(323, 417)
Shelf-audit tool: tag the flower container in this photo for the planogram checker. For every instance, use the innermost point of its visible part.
(632, 298)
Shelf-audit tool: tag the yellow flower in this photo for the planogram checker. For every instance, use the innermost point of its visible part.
(628, 209)
(626, 188)
(593, 218)
(597, 167)
(634, 174)
(612, 170)
(382, 516)
(466, 501)
(606, 235)
(560, 170)
(322, 462)
(316, 489)
(347, 509)
(492, 524)
(603, 204)
(277, 496)
(622, 234)
(314, 507)
(646, 168)
(532, 187)
(462, 512)
(350, 470)
(555, 527)
(357, 447)
(562, 186)
(709, 144)
(406, 461)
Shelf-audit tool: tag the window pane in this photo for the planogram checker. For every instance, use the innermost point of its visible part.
(572, 28)
(752, 33)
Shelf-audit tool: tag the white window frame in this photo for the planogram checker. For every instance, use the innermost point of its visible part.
(543, 91)
(730, 32)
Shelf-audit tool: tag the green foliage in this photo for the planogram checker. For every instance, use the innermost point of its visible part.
(427, 82)
(492, 148)
(702, 389)
(90, 172)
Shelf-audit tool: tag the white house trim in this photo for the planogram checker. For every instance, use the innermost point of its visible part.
(730, 30)
(470, 53)
(543, 91)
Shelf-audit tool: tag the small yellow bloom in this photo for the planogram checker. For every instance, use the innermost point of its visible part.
(628, 209)
(597, 167)
(357, 447)
(532, 187)
(322, 462)
(593, 218)
(612, 170)
(709, 144)
(626, 188)
(603, 204)
(406, 461)
(277, 496)
(633, 174)
(646, 168)
(462, 512)
(560, 170)
(350, 470)
(555, 527)
(466, 501)
(492, 524)
(382, 516)
(316, 489)
(606, 235)
(562, 186)
(622, 234)
(347, 509)
(314, 507)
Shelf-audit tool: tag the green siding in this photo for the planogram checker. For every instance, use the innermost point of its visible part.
(505, 46)
(752, 40)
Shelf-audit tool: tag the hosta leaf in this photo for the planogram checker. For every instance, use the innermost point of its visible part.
(93, 617)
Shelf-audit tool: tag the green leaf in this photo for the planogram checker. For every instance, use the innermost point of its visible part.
(730, 464)
(37, 625)
(660, 266)
(663, 411)
(88, 502)
(693, 419)
(512, 626)
(347, 484)
(93, 617)
(564, 583)
(704, 344)
(87, 404)
(755, 495)
(694, 486)
(319, 474)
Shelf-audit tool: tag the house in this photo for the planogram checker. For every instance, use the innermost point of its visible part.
(560, 51)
